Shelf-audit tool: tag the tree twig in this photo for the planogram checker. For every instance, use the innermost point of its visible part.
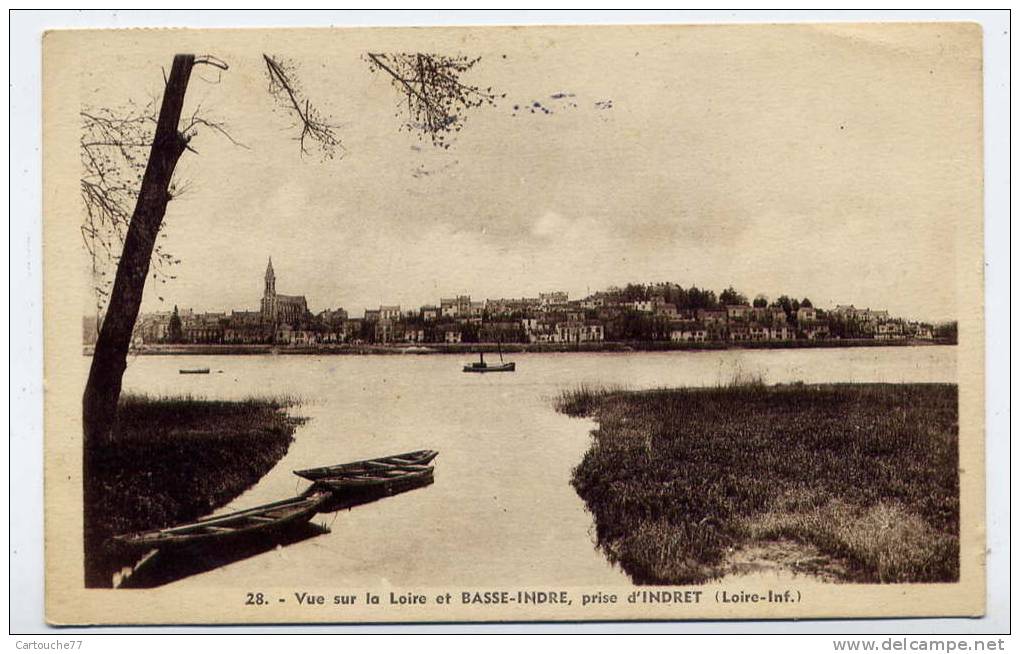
(283, 87)
(437, 101)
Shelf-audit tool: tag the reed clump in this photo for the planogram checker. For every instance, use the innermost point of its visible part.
(583, 399)
(864, 473)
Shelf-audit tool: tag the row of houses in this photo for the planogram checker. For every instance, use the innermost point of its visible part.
(548, 318)
(742, 323)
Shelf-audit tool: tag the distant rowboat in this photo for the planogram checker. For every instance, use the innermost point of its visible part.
(194, 371)
(408, 461)
(263, 519)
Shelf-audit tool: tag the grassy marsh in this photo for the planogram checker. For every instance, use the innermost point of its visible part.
(865, 474)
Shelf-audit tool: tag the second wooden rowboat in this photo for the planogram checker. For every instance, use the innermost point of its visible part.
(407, 462)
(387, 481)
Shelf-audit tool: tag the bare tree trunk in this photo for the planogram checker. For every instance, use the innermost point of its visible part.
(99, 405)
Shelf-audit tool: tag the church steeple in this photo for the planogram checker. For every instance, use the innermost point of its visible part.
(270, 280)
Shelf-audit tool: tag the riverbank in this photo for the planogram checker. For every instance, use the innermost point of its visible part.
(474, 348)
(173, 460)
(862, 476)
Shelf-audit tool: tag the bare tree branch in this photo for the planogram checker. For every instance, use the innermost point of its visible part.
(197, 120)
(211, 60)
(114, 147)
(315, 128)
(437, 101)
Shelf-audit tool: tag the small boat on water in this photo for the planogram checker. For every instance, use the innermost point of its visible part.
(408, 461)
(194, 371)
(481, 366)
(265, 519)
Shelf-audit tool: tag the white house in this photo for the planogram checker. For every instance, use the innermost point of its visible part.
(689, 333)
(806, 314)
(816, 331)
(889, 331)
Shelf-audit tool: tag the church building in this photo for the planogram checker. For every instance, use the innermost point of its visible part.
(281, 309)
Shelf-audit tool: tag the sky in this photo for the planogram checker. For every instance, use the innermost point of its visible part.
(839, 163)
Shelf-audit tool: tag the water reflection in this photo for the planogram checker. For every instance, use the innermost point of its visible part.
(159, 567)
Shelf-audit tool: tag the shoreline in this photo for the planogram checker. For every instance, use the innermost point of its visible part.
(512, 348)
(173, 460)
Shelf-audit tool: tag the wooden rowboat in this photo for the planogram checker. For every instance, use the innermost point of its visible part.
(268, 518)
(406, 462)
(385, 481)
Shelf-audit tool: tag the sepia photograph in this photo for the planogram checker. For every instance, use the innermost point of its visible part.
(458, 324)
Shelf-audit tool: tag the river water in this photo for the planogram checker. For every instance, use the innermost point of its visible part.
(501, 509)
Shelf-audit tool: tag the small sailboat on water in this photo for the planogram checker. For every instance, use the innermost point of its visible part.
(481, 366)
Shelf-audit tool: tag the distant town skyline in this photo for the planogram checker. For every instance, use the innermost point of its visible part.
(358, 311)
(714, 156)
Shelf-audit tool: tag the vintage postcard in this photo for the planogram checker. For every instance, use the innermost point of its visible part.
(513, 323)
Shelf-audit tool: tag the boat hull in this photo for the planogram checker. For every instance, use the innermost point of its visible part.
(506, 367)
(261, 520)
(408, 461)
(377, 484)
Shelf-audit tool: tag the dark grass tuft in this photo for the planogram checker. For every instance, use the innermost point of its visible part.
(865, 473)
(174, 459)
(581, 401)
